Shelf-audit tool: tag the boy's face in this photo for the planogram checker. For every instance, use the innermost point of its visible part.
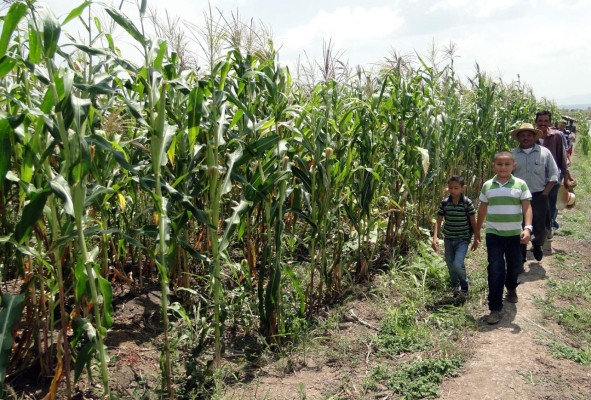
(454, 189)
(503, 166)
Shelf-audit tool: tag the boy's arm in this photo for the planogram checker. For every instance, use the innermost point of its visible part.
(435, 244)
(527, 219)
(482, 209)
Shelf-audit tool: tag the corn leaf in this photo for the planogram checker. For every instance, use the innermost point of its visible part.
(12, 306)
(51, 31)
(6, 153)
(31, 214)
(83, 357)
(6, 65)
(60, 187)
(35, 49)
(126, 24)
(15, 13)
(104, 287)
(76, 12)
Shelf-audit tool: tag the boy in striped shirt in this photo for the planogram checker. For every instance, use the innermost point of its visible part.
(505, 203)
(460, 221)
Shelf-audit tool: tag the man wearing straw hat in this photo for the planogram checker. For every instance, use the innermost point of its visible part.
(536, 166)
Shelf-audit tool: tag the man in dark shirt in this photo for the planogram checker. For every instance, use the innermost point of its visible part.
(552, 140)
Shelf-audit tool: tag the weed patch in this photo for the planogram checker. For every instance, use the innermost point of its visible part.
(400, 332)
(563, 351)
(417, 380)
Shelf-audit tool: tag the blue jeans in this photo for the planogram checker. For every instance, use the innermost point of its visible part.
(504, 263)
(455, 253)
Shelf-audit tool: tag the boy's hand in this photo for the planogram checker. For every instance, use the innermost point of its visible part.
(475, 243)
(525, 236)
(435, 244)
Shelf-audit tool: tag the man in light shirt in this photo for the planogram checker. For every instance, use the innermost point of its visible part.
(536, 166)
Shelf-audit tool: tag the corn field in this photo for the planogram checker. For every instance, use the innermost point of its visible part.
(252, 197)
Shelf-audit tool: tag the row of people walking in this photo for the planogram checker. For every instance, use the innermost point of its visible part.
(518, 205)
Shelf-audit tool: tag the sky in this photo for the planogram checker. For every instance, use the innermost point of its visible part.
(543, 43)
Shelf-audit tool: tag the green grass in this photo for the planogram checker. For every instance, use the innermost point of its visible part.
(563, 351)
(417, 380)
(568, 292)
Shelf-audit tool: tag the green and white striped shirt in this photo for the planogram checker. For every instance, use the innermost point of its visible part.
(504, 214)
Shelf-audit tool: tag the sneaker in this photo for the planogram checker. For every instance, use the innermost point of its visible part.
(512, 296)
(494, 317)
(538, 252)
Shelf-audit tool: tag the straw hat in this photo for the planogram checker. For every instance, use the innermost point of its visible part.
(566, 199)
(526, 127)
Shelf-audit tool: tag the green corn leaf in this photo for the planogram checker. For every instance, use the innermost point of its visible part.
(81, 280)
(80, 108)
(51, 31)
(195, 113)
(93, 51)
(233, 221)
(75, 13)
(15, 13)
(6, 65)
(116, 151)
(83, 358)
(157, 53)
(12, 306)
(97, 195)
(143, 7)
(31, 214)
(104, 287)
(35, 49)
(232, 159)
(60, 187)
(126, 24)
(6, 153)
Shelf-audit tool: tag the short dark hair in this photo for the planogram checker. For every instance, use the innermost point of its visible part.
(504, 154)
(544, 112)
(456, 178)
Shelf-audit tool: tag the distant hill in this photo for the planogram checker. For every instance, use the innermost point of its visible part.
(577, 102)
(574, 106)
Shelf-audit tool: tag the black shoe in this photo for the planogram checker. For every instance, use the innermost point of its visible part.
(538, 252)
(512, 296)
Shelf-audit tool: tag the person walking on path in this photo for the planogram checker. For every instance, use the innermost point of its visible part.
(552, 139)
(460, 223)
(504, 203)
(536, 166)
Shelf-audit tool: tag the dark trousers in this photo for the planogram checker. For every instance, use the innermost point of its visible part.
(504, 264)
(542, 219)
(552, 198)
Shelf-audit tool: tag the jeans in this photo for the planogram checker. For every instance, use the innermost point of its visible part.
(542, 220)
(455, 253)
(504, 263)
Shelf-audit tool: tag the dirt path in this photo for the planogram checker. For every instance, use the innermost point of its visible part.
(510, 360)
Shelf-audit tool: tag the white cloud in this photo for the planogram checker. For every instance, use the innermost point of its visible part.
(344, 25)
(446, 5)
(479, 8)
